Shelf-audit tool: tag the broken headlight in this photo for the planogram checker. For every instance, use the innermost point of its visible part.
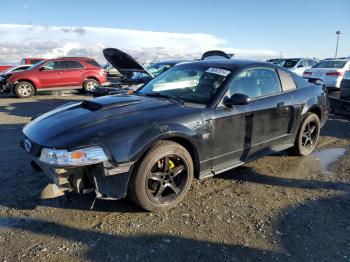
(78, 157)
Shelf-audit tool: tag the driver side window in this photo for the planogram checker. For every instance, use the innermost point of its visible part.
(256, 82)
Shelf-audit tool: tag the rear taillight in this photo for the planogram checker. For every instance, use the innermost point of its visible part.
(307, 73)
(334, 74)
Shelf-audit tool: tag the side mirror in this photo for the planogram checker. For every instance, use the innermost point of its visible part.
(299, 66)
(236, 99)
(42, 68)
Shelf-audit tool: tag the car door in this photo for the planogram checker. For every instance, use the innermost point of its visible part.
(50, 74)
(262, 124)
(72, 73)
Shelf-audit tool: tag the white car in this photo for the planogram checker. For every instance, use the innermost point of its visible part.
(296, 65)
(331, 72)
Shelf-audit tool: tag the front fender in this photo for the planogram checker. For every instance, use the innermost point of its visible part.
(156, 133)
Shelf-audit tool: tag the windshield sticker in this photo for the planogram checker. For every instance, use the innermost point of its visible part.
(175, 85)
(218, 71)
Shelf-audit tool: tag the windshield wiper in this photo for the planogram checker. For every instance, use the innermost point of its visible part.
(173, 98)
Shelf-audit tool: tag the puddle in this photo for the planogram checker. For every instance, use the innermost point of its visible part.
(328, 156)
(318, 162)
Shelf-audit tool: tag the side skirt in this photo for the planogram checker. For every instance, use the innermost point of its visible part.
(230, 165)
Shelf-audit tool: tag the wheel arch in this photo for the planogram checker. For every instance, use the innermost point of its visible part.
(316, 110)
(181, 140)
(92, 77)
(25, 80)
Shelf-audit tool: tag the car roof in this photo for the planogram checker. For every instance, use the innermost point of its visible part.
(229, 63)
(70, 58)
(173, 62)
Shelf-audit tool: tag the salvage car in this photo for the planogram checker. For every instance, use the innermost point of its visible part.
(331, 72)
(196, 120)
(296, 65)
(8, 72)
(135, 74)
(66, 73)
(345, 86)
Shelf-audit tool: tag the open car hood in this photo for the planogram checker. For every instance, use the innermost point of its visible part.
(123, 62)
(215, 54)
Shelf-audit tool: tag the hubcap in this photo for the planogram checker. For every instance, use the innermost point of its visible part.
(167, 179)
(25, 90)
(309, 135)
(91, 85)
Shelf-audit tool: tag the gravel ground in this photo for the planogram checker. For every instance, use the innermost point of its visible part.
(278, 208)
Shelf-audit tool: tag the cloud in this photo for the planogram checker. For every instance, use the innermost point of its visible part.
(20, 41)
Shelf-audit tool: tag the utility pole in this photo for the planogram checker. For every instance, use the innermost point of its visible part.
(336, 47)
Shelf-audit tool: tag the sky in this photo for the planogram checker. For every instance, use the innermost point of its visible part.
(155, 30)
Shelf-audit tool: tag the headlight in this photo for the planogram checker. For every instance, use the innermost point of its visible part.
(79, 157)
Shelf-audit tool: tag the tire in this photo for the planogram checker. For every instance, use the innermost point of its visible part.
(90, 85)
(156, 186)
(308, 135)
(24, 89)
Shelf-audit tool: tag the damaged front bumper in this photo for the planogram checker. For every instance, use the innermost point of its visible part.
(109, 181)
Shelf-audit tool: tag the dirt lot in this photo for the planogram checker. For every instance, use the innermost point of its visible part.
(279, 208)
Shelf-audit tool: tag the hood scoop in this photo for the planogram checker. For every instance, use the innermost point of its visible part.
(109, 102)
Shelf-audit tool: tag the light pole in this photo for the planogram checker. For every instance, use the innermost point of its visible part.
(336, 47)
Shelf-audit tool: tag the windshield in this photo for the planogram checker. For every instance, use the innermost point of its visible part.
(36, 65)
(154, 69)
(288, 63)
(189, 83)
(330, 64)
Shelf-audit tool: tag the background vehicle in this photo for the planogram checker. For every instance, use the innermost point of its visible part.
(111, 71)
(197, 119)
(54, 74)
(296, 65)
(31, 61)
(345, 86)
(7, 73)
(273, 61)
(135, 75)
(331, 72)
(3, 68)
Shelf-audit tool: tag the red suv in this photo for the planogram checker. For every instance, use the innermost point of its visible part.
(56, 74)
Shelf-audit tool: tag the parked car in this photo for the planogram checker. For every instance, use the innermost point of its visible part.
(31, 60)
(57, 74)
(4, 67)
(345, 86)
(7, 73)
(331, 72)
(134, 74)
(216, 54)
(273, 61)
(111, 71)
(297, 65)
(196, 120)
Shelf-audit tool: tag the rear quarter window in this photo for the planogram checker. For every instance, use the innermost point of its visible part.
(288, 84)
(93, 63)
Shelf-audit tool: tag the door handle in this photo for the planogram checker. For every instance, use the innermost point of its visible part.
(281, 104)
(60, 73)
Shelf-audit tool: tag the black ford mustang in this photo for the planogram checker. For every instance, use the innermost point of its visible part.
(196, 120)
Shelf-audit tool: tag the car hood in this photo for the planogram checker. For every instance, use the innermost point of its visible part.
(123, 62)
(91, 121)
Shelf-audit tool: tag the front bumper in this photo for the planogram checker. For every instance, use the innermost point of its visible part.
(107, 180)
(6, 87)
(106, 84)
